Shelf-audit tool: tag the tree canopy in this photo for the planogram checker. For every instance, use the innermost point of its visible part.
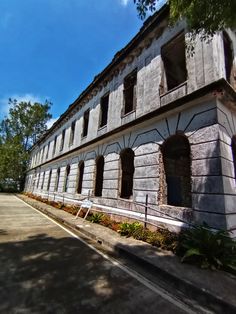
(202, 17)
(23, 126)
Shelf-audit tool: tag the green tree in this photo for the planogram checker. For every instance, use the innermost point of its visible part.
(23, 126)
(202, 17)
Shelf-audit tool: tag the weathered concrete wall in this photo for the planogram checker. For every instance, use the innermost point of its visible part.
(198, 122)
(205, 66)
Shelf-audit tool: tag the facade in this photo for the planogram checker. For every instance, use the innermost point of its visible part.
(157, 125)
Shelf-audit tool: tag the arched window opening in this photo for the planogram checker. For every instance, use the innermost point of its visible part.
(177, 167)
(57, 179)
(67, 178)
(233, 146)
(80, 177)
(99, 176)
(42, 185)
(228, 52)
(38, 180)
(127, 175)
(49, 180)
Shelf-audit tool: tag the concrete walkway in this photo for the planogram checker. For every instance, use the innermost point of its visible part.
(214, 290)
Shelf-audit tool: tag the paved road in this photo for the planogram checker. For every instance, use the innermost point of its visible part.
(44, 269)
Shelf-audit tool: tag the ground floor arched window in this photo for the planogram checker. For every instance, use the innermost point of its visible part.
(57, 179)
(99, 176)
(80, 177)
(233, 147)
(67, 178)
(127, 172)
(49, 180)
(177, 170)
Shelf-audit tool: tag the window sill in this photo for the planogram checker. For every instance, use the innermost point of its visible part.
(102, 130)
(127, 114)
(173, 94)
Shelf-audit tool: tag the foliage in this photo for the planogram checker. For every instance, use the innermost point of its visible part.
(95, 218)
(22, 127)
(208, 249)
(202, 17)
(127, 229)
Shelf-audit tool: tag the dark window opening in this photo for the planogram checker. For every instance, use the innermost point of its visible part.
(62, 139)
(38, 181)
(99, 176)
(49, 180)
(233, 146)
(80, 177)
(42, 156)
(173, 56)
(57, 179)
(177, 166)
(228, 57)
(67, 178)
(130, 82)
(72, 132)
(104, 110)
(54, 146)
(86, 123)
(47, 151)
(127, 175)
(42, 185)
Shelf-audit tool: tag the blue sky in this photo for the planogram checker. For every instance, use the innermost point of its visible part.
(52, 49)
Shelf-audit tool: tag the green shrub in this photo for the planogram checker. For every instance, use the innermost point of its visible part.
(95, 218)
(214, 250)
(127, 229)
(142, 234)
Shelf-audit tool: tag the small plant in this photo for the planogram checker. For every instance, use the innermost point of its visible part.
(95, 218)
(207, 249)
(127, 229)
(142, 234)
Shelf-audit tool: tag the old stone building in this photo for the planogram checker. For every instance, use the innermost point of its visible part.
(156, 123)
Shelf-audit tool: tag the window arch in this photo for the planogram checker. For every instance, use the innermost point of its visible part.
(57, 179)
(67, 178)
(233, 147)
(80, 177)
(99, 176)
(177, 168)
(127, 172)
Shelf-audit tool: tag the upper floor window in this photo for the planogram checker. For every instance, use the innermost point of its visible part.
(42, 156)
(229, 58)
(72, 133)
(173, 56)
(54, 145)
(86, 123)
(47, 150)
(62, 139)
(104, 110)
(130, 83)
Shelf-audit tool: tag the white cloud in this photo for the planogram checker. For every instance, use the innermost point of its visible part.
(4, 102)
(51, 121)
(124, 2)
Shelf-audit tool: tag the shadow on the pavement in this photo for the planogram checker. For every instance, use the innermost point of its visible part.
(45, 274)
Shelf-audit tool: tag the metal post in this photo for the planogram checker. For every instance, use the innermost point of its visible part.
(63, 198)
(146, 207)
(88, 194)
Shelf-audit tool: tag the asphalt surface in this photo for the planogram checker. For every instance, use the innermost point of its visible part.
(45, 269)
